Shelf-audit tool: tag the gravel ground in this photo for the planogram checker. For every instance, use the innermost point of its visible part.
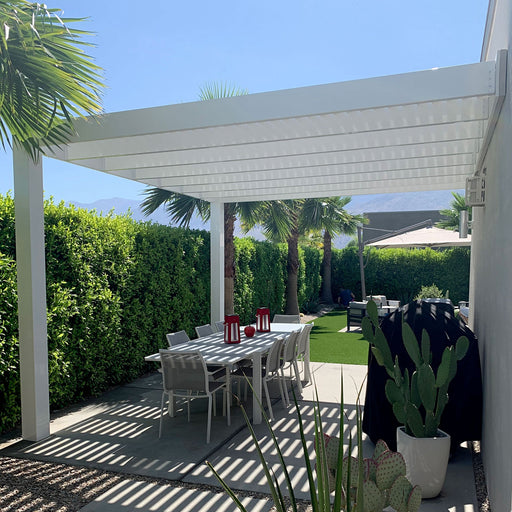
(33, 486)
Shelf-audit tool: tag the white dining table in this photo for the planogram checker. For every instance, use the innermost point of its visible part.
(216, 352)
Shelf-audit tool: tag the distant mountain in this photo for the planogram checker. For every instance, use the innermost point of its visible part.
(398, 202)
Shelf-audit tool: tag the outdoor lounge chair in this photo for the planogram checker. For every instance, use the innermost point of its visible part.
(356, 311)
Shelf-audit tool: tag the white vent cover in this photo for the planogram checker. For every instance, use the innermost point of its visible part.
(475, 190)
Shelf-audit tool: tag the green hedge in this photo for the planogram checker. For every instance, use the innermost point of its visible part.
(400, 273)
(260, 279)
(115, 287)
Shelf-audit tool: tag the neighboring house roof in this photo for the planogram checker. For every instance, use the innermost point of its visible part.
(425, 237)
(381, 224)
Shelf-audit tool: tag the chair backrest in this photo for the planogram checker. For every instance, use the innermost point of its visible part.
(220, 325)
(380, 300)
(290, 347)
(303, 339)
(286, 319)
(204, 330)
(183, 370)
(177, 338)
(274, 361)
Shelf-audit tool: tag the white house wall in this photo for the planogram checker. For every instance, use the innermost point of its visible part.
(492, 280)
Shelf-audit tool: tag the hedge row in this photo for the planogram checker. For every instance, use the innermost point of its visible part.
(400, 273)
(115, 287)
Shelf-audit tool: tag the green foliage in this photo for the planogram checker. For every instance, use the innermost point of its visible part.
(309, 277)
(9, 367)
(451, 216)
(400, 273)
(430, 292)
(46, 76)
(418, 401)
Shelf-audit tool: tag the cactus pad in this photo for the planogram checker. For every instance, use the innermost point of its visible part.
(373, 498)
(390, 466)
(331, 450)
(380, 447)
(399, 494)
(414, 501)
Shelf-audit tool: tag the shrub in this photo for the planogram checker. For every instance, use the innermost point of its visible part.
(430, 292)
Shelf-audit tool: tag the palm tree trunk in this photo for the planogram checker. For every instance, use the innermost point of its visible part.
(292, 267)
(229, 260)
(326, 268)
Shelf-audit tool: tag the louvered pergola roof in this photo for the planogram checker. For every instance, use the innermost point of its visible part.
(425, 130)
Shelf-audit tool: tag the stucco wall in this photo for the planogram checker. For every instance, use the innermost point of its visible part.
(492, 285)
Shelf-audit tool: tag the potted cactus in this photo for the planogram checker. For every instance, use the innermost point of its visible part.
(384, 481)
(418, 400)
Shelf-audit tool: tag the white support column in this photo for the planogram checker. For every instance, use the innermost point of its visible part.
(216, 262)
(30, 262)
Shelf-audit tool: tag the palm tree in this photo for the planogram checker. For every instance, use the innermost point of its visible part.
(46, 78)
(452, 215)
(329, 215)
(283, 221)
(181, 208)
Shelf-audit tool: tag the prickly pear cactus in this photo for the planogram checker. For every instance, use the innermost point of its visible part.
(418, 400)
(384, 482)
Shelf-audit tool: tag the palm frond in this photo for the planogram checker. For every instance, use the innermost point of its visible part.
(216, 90)
(46, 76)
(180, 207)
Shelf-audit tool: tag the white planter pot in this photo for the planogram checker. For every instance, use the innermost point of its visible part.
(426, 459)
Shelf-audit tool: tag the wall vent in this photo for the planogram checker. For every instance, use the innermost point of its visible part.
(475, 190)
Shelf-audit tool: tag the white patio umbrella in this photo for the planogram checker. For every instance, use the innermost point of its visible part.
(425, 237)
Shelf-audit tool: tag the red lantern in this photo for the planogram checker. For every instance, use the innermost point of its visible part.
(249, 331)
(231, 329)
(263, 320)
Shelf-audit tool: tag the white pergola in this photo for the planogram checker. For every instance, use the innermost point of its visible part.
(427, 130)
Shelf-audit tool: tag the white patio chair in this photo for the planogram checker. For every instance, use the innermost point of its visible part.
(303, 344)
(177, 338)
(271, 371)
(290, 361)
(185, 375)
(220, 325)
(204, 330)
(286, 319)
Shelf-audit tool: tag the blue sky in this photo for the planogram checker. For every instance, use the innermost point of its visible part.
(164, 52)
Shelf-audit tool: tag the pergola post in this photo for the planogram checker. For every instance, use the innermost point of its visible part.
(216, 261)
(31, 275)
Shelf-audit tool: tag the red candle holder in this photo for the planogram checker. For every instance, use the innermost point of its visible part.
(263, 320)
(231, 329)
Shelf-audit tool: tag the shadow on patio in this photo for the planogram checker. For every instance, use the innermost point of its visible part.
(119, 433)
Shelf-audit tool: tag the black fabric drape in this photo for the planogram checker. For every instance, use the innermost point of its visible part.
(462, 417)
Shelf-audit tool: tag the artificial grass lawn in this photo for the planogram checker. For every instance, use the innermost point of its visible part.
(330, 346)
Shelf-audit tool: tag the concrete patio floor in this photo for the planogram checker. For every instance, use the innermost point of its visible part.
(119, 433)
